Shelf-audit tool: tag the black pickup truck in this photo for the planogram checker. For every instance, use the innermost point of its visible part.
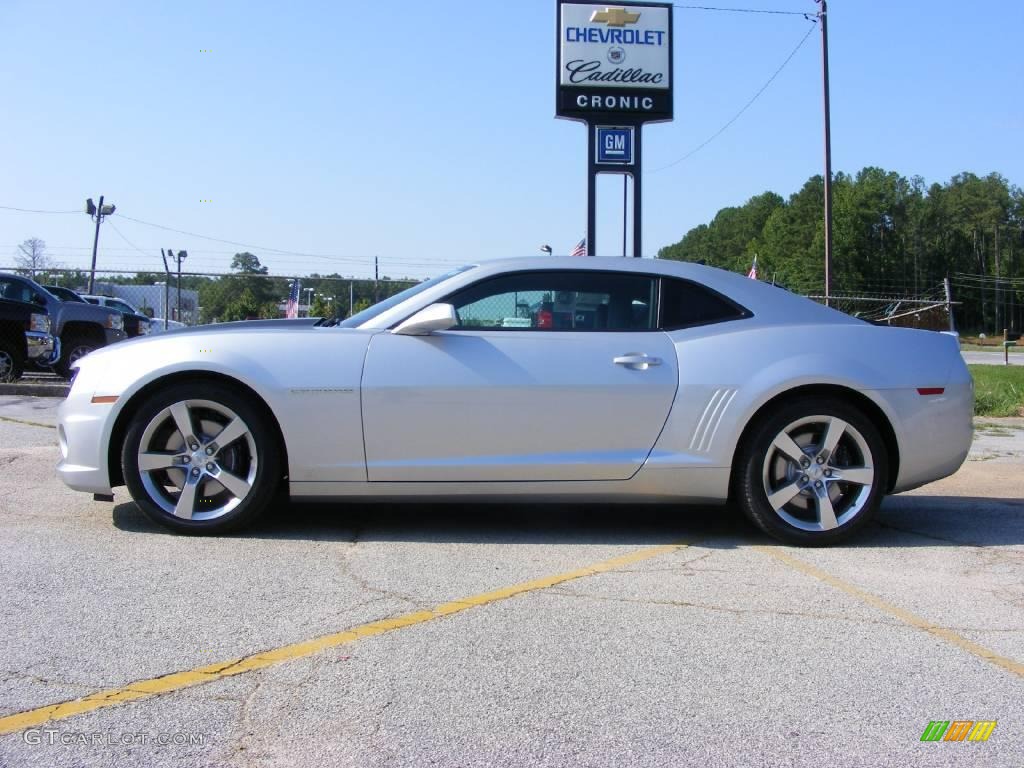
(80, 327)
(24, 336)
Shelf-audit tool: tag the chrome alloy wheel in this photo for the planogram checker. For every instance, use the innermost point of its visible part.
(818, 473)
(197, 459)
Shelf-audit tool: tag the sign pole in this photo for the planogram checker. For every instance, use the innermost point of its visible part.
(637, 186)
(591, 193)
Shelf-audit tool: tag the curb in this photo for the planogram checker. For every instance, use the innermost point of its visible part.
(35, 389)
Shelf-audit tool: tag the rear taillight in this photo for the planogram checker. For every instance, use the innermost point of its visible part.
(545, 319)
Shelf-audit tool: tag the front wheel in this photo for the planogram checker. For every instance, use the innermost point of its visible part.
(72, 350)
(10, 361)
(812, 473)
(201, 459)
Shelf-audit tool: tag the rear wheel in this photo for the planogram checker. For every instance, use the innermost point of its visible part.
(201, 459)
(10, 361)
(812, 473)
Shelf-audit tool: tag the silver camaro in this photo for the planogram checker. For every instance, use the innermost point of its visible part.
(586, 379)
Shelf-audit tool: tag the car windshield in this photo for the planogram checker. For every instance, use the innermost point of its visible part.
(120, 305)
(393, 301)
(64, 294)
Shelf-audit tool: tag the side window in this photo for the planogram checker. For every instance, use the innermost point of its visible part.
(559, 301)
(10, 289)
(685, 304)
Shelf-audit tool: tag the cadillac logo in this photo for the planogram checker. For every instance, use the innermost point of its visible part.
(616, 55)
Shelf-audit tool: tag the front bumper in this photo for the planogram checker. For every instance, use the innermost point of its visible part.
(113, 334)
(83, 432)
(40, 347)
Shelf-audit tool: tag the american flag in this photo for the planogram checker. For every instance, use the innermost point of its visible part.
(580, 249)
(291, 309)
(752, 274)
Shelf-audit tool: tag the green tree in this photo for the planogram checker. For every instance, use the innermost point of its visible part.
(891, 235)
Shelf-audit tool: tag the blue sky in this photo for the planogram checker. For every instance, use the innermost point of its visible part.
(424, 133)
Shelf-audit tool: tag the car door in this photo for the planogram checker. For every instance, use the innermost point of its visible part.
(549, 375)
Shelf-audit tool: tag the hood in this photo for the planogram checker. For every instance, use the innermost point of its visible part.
(246, 325)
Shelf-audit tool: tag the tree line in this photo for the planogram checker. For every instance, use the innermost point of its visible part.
(891, 236)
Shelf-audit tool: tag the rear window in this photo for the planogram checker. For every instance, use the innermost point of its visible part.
(685, 304)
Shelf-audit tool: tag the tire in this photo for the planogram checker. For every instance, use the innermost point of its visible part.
(812, 473)
(75, 348)
(11, 363)
(178, 487)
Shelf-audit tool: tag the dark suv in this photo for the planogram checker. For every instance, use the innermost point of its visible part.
(24, 337)
(80, 327)
(135, 323)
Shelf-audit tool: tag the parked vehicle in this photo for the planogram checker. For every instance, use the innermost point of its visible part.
(644, 381)
(24, 337)
(135, 323)
(81, 327)
(156, 325)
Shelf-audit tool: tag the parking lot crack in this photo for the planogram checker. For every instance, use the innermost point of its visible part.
(11, 675)
(722, 609)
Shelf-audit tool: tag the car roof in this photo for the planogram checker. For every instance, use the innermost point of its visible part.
(769, 304)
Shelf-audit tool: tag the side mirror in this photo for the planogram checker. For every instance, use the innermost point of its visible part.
(38, 300)
(436, 317)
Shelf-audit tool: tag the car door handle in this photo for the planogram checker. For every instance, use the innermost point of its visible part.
(638, 362)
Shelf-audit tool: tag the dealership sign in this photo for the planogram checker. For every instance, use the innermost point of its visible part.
(614, 61)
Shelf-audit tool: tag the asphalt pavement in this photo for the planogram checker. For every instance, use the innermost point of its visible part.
(992, 358)
(475, 635)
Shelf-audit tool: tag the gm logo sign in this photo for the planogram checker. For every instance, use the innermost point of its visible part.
(614, 146)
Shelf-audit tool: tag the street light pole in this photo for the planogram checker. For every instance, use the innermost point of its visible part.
(179, 257)
(309, 300)
(97, 212)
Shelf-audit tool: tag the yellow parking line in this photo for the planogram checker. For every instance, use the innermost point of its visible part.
(905, 616)
(143, 689)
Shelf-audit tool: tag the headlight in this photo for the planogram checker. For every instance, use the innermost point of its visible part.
(115, 321)
(39, 323)
(144, 327)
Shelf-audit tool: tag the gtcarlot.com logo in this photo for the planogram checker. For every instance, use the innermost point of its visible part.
(51, 737)
(958, 730)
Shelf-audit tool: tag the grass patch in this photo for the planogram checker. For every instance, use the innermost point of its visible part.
(998, 390)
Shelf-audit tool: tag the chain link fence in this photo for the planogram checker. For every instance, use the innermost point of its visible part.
(930, 310)
(195, 298)
(199, 298)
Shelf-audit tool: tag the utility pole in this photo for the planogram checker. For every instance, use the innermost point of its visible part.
(180, 256)
(376, 280)
(97, 212)
(167, 287)
(351, 297)
(823, 18)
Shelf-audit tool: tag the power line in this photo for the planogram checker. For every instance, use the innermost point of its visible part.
(32, 210)
(133, 245)
(739, 114)
(244, 245)
(740, 10)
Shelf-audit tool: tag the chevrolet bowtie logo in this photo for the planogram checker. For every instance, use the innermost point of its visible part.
(615, 17)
